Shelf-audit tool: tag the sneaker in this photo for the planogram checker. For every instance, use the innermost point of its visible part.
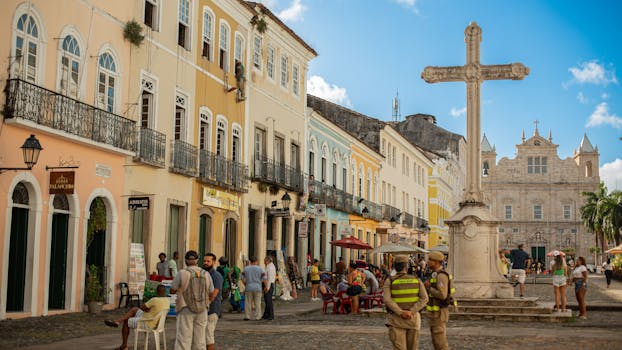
(583, 317)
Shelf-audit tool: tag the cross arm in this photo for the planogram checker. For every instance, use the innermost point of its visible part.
(514, 71)
(439, 74)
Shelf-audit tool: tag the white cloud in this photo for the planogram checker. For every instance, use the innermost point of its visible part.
(293, 13)
(412, 4)
(317, 86)
(601, 116)
(581, 97)
(604, 96)
(591, 72)
(611, 174)
(457, 112)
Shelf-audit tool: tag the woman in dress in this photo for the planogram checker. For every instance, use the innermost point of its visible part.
(579, 278)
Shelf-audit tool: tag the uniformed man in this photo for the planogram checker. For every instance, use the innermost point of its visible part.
(438, 287)
(404, 295)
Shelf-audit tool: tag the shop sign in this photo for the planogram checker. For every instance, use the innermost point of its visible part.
(62, 182)
(219, 199)
(303, 229)
(138, 203)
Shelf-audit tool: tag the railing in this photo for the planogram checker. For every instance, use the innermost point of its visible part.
(151, 147)
(340, 200)
(48, 108)
(183, 158)
(389, 212)
(421, 223)
(408, 220)
(219, 171)
(276, 173)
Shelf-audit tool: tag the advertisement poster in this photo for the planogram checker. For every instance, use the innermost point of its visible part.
(137, 273)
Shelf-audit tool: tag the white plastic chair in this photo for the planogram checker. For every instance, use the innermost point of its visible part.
(144, 328)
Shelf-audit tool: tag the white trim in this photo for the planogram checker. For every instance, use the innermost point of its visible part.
(154, 79)
(117, 74)
(29, 8)
(32, 249)
(82, 72)
(225, 142)
(204, 110)
(221, 22)
(208, 10)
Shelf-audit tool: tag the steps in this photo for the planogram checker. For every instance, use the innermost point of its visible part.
(515, 309)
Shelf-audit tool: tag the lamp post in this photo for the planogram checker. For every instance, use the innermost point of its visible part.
(30, 149)
(286, 200)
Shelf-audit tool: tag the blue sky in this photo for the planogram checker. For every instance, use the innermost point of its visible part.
(369, 49)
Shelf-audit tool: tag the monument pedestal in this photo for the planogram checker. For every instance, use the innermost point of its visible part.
(473, 254)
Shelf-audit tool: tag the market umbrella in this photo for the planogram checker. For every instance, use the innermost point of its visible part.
(615, 250)
(556, 252)
(350, 242)
(440, 248)
(395, 248)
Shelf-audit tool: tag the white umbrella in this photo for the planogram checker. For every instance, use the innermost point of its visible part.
(395, 248)
(440, 248)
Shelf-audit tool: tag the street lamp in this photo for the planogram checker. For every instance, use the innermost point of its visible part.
(286, 200)
(30, 149)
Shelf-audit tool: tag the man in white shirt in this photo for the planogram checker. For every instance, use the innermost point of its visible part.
(172, 264)
(268, 313)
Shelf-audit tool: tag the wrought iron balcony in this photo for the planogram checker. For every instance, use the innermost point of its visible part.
(183, 158)
(151, 147)
(48, 108)
(408, 220)
(375, 210)
(276, 173)
(222, 172)
(389, 212)
(421, 224)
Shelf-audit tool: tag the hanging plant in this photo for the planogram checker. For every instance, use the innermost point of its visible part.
(262, 187)
(97, 220)
(133, 32)
(259, 22)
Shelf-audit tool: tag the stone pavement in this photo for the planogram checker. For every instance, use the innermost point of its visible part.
(300, 325)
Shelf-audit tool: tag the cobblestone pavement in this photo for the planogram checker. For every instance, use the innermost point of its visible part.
(300, 325)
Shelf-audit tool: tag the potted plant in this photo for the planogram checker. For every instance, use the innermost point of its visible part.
(133, 32)
(95, 294)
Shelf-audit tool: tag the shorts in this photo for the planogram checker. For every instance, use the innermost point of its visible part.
(354, 291)
(315, 282)
(132, 322)
(578, 284)
(559, 281)
(212, 319)
(520, 275)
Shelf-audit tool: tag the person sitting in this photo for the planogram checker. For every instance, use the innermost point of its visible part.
(342, 286)
(149, 310)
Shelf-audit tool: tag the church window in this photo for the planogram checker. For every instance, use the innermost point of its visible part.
(485, 168)
(537, 212)
(536, 165)
(566, 212)
(588, 169)
(508, 212)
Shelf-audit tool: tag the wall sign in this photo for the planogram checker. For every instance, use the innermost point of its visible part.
(62, 182)
(138, 203)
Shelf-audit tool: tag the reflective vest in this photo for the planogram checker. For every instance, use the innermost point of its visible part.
(434, 304)
(405, 291)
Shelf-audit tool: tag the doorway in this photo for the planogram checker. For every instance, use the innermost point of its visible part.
(96, 240)
(18, 249)
(205, 234)
(231, 229)
(58, 253)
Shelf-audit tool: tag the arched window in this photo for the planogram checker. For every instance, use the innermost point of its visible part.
(106, 82)
(61, 202)
(485, 169)
(70, 67)
(238, 48)
(208, 33)
(223, 52)
(221, 136)
(205, 130)
(236, 143)
(588, 169)
(20, 194)
(27, 48)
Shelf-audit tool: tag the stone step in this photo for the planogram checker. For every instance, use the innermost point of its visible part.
(556, 317)
(514, 302)
(539, 309)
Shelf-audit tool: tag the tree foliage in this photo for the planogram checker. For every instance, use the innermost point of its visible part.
(602, 214)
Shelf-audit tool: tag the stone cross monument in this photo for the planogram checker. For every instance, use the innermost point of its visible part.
(473, 231)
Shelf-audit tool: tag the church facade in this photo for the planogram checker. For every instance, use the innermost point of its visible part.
(537, 195)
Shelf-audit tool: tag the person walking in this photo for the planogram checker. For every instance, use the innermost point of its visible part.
(215, 306)
(404, 296)
(608, 267)
(193, 287)
(579, 278)
(268, 313)
(439, 292)
(255, 280)
(519, 261)
(560, 273)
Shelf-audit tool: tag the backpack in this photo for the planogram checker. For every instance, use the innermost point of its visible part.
(195, 295)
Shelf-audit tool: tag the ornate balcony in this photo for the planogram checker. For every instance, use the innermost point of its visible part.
(222, 172)
(183, 158)
(340, 200)
(421, 224)
(408, 220)
(151, 147)
(39, 105)
(389, 212)
(276, 173)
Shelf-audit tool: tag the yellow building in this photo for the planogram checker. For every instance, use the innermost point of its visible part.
(444, 196)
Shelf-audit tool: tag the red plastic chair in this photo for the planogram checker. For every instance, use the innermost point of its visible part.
(329, 298)
(344, 299)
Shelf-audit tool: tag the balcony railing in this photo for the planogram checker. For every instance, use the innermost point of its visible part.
(421, 223)
(219, 171)
(151, 147)
(389, 212)
(340, 200)
(48, 108)
(183, 158)
(276, 173)
(408, 220)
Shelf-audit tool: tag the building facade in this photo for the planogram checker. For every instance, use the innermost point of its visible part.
(537, 195)
(68, 85)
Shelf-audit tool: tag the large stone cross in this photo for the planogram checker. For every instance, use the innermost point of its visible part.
(474, 73)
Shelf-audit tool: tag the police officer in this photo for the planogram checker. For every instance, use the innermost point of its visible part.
(404, 295)
(438, 289)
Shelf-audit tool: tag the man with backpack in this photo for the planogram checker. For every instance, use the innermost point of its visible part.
(193, 287)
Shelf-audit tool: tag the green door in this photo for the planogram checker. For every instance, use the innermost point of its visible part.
(58, 261)
(205, 227)
(538, 253)
(17, 260)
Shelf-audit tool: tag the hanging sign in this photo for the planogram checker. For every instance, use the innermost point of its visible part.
(303, 229)
(138, 203)
(62, 182)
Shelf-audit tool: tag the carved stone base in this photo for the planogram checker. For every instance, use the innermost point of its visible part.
(473, 253)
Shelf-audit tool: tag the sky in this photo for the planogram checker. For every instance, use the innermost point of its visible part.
(369, 50)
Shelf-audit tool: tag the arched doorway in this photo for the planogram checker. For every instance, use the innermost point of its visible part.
(58, 253)
(205, 234)
(96, 239)
(231, 229)
(18, 249)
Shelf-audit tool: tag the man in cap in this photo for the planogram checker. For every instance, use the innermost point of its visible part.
(403, 296)
(438, 287)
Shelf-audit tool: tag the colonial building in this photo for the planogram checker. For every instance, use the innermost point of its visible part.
(537, 195)
(446, 176)
(65, 74)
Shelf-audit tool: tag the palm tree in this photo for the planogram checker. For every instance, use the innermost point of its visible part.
(591, 215)
(610, 212)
